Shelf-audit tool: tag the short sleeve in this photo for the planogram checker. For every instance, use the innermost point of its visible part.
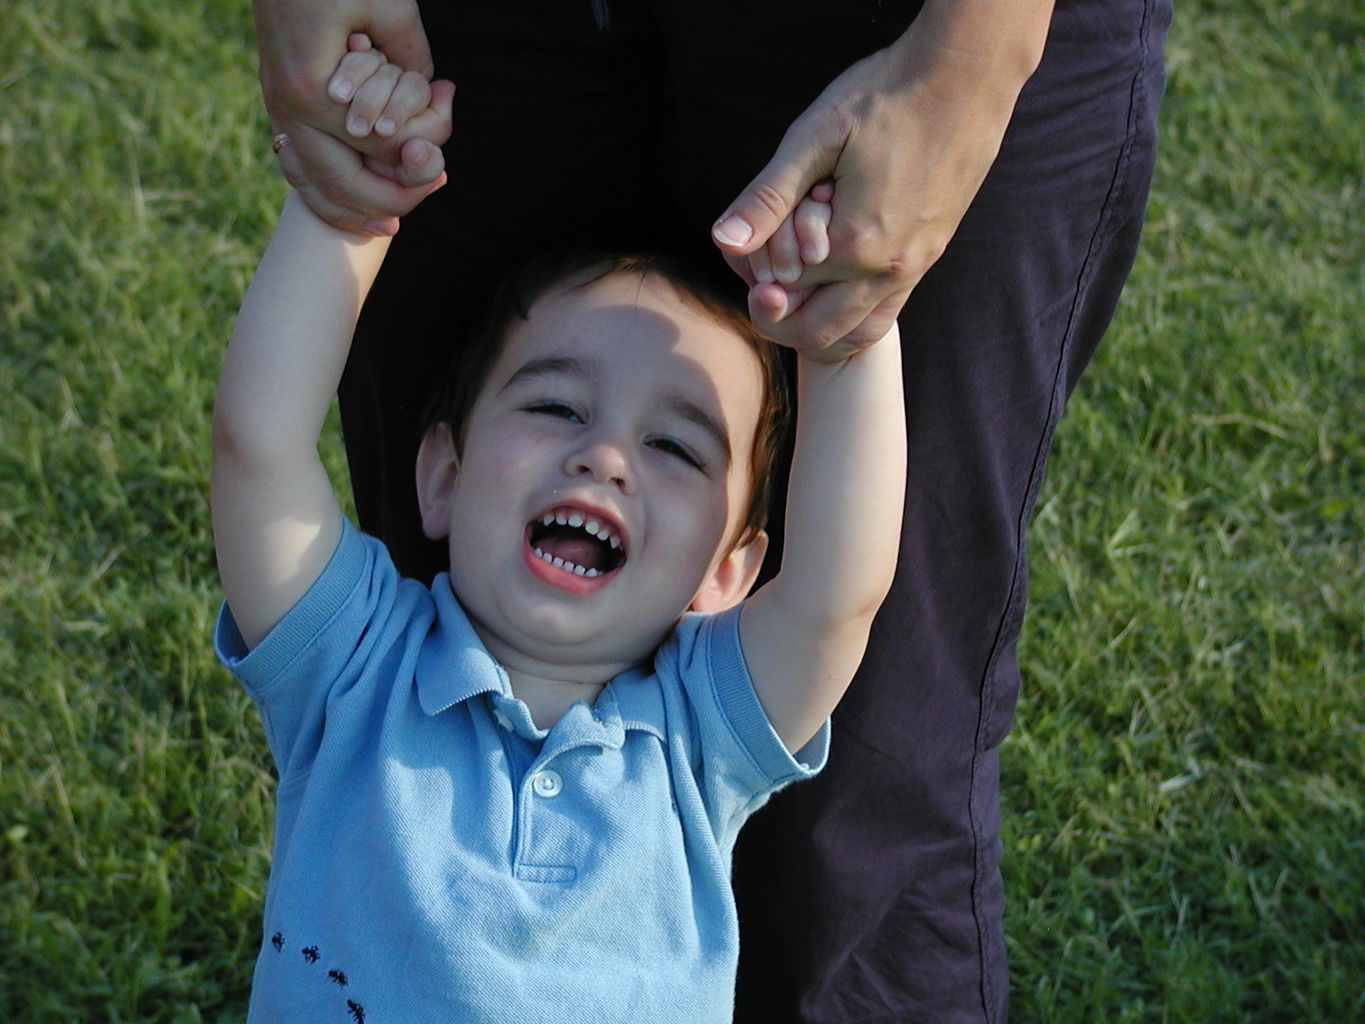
(742, 759)
(325, 643)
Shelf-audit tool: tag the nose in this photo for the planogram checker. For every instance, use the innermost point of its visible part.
(602, 459)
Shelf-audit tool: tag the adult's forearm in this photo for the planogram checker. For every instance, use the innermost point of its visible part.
(996, 43)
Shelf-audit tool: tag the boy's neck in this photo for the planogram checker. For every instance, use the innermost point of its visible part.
(548, 699)
(548, 689)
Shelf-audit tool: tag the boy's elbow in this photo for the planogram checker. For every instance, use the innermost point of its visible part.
(240, 437)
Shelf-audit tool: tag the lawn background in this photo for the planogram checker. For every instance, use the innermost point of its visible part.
(1185, 829)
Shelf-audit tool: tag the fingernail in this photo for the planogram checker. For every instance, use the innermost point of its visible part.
(387, 228)
(734, 230)
(787, 275)
(358, 126)
(764, 275)
(342, 90)
(385, 126)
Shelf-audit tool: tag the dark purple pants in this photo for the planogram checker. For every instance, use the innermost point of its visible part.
(874, 892)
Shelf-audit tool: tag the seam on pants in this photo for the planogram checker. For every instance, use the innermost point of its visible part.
(990, 998)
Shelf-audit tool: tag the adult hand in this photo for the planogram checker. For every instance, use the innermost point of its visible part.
(907, 136)
(357, 184)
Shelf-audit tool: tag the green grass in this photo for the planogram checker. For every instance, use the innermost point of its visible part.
(1185, 808)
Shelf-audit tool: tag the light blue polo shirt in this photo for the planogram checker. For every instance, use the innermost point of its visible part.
(437, 858)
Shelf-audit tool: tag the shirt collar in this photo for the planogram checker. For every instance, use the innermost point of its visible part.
(453, 665)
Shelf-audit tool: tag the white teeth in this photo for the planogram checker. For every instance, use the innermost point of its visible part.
(560, 563)
(577, 520)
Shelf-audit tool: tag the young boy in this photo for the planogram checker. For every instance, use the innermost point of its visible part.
(513, 795)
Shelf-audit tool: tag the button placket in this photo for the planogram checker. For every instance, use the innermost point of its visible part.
(535, 862)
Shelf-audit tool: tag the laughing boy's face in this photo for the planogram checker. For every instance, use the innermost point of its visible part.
(604, 477)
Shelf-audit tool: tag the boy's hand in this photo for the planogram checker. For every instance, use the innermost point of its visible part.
(383, 99)
(800, 241)
(300, 43)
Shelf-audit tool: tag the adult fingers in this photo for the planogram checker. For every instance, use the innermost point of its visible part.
(877, 323)
(336, 184)
(829, 316)
(293, 165)
(421, 164)
(807, 153)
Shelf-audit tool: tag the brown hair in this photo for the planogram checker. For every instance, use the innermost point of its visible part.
(473, 360)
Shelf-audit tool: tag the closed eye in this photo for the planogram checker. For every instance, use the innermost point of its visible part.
(669, 446)
(554, 407)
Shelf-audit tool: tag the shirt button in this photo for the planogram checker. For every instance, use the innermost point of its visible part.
(547, 783)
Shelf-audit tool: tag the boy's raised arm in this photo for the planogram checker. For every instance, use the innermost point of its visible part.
(804, 633)
(276, 521)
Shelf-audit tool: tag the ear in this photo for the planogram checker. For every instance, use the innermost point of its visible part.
(437, 467)
(732, 577)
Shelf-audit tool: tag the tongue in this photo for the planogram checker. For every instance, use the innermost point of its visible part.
(579, 550)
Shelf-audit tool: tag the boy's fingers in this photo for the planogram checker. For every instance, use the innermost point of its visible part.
(760, 266)
(785, 252)
(811, 222)
(356, 67)
(415, 165)
(410, 97)
(371, 96)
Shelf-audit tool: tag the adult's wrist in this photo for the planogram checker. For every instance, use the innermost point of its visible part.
(984, 48)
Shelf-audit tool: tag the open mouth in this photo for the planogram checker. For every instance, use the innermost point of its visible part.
(576, 542)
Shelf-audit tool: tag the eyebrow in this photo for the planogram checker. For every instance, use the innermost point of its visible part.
(569, 366)
(573, 366)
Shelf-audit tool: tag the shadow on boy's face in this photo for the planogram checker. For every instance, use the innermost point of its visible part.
(624, 401)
